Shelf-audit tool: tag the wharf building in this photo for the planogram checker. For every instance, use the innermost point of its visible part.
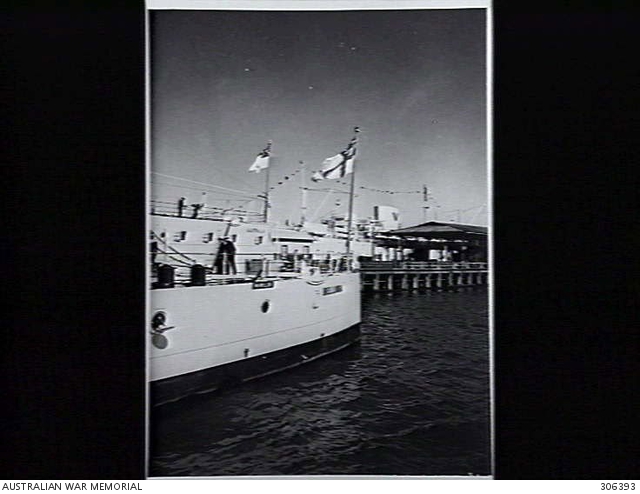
(433, 255)
(434, 241)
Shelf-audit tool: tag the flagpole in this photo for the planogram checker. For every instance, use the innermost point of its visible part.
(351, 188)
(265, 212)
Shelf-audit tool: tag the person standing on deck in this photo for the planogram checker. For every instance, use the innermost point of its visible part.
(154, 254)
(218, 263)
(196, 209)
(228, 251)
(181, 204)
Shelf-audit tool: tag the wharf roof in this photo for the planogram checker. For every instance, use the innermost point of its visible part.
(436, 229)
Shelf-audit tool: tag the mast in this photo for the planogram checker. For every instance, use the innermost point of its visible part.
(265, 211)
(425, 199)
(356, 130)
(303, 199)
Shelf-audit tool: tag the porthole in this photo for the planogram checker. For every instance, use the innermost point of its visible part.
(159, 341)
(266, 305)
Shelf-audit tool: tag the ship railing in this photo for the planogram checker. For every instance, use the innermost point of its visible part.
(424, 265)
(332, 264)
(248, 266)
(272, 263)
(203, 212)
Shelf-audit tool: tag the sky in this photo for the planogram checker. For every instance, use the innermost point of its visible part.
(223, 83)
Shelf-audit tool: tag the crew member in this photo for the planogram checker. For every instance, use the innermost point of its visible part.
(196, 209)
(218, 263)
(228, 249)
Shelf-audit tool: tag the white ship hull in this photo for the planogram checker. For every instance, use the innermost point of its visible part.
(218, 334)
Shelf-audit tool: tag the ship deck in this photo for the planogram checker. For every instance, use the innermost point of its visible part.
(185, 280)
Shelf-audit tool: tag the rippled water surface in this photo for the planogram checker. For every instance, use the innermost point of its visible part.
(412, 398)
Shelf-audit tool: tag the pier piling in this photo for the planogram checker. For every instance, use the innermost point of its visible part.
(413, 276)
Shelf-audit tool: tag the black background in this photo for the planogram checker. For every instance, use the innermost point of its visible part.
(565, 280)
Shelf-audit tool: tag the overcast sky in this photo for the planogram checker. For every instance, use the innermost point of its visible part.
(223, 83)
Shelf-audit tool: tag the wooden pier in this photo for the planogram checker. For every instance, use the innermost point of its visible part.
(412, 275)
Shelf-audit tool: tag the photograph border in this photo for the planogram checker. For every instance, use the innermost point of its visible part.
(342, 5)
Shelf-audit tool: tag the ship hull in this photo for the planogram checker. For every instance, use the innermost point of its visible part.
(218, 335)
(231, 374)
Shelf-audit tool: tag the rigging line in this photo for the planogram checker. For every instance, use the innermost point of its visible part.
(179, 261)
(287, 176)
(166, 244)
(235, 179)
(202, 183)
(337, 191)
(242, 202)
(245, 202)
(474, 207)
(330, 212)
(475, 216)
(200, 189)
(315, 213)
(459, 210)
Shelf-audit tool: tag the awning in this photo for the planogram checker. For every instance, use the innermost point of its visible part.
(435, 230)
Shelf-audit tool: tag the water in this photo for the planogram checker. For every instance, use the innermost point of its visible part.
(412, 398)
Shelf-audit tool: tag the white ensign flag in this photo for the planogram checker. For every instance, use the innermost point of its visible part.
(339, 165)
(262, 160)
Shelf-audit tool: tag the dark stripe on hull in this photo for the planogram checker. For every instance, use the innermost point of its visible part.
(174, 388)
